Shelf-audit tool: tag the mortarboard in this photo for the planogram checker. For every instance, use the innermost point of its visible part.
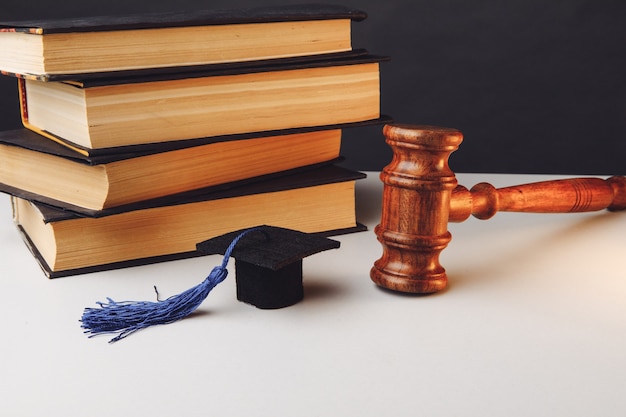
(268, 263)
(268, 271)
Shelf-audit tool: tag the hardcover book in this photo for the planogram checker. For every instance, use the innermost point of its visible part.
(46, 49)
(318, 201)
(95, 114)
(36, 167)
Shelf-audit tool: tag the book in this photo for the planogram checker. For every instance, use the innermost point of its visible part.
(49, 49)
(48, 170)
(109, 113)
(317, 201)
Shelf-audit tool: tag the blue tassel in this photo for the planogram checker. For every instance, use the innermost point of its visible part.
(127, 317)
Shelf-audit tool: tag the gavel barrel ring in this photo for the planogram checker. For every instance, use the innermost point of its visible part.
(421, 195)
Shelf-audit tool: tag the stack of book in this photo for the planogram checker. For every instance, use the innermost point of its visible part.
(145, 135)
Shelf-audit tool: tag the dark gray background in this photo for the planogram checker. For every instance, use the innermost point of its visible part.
(536, 86)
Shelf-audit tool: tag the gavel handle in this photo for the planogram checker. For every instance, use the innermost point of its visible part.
(559, 196)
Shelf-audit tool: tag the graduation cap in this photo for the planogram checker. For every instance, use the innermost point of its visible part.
(268, 263)
(268, 267)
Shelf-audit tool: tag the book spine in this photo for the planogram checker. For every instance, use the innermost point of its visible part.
(14, 211)
(30, 31)
(21, 87)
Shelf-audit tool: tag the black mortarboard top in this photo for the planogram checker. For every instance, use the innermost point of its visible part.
(268, 263)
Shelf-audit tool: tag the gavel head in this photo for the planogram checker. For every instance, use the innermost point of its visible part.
(416, 202)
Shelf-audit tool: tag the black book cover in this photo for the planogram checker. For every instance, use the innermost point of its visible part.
(356, 57)
(31, 140)
(152, 20)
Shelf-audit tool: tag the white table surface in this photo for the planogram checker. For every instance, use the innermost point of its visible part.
(533, 324)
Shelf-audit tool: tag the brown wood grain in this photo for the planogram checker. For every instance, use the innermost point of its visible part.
(421, 195)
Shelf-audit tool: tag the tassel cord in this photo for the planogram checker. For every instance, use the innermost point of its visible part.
(127, 317)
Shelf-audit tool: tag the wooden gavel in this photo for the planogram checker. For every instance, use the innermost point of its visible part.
(421, 195)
